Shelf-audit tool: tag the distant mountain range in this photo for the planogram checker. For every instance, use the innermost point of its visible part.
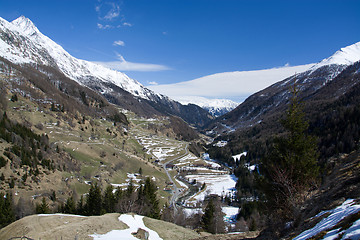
(23, 44)
(216, 107)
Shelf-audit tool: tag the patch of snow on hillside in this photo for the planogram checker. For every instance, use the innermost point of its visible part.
(221, 143)
(134, 222)
(238, 156)
(336, 215)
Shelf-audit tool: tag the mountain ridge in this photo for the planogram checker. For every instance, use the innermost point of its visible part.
(22, 43)
(268, 101)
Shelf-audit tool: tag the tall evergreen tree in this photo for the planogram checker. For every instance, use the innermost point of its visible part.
(213, 219)
(43, 207)
(290, 169)
(7, 215)
(109, 199)
(80, 207)
(70, 206)
(93, 204)
(151, 199)
(208, 217)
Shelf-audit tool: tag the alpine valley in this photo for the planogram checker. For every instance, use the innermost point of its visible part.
(92, 151)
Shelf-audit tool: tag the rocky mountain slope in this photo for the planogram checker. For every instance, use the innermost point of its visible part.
(23, 44)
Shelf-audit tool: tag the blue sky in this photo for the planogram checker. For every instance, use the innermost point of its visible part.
(180, 40)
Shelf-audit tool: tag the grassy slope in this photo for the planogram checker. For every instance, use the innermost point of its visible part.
(68, 227)
(101, 148)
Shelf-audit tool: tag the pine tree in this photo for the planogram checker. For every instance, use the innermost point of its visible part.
(109, 199)
(213, 219)
(93, 204)
(80, 207)
(208, 217)
(70, 206)
(7, 215)
(151, 199)
(290, 169)
(42, 208)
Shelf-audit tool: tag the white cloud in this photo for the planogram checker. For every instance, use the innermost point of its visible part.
(114, 11)
(126, 24)
(119, 43)
(153, 83)
(101, 26)
(110, 11)
(230, 85)
(123, 65)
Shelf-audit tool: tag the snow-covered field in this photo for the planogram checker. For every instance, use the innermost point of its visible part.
(134, 222)
(230, 213)
(222, 185)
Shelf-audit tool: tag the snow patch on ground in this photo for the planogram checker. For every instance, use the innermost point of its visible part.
(230, 213)
(61, 214)
(134, 222)
(336, 215)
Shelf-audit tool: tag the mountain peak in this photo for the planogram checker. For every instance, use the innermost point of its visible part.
(26, 25)
(345, 56)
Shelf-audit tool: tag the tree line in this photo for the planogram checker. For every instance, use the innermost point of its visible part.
(142, 201)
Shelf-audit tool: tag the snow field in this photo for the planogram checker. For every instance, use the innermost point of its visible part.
(221, 185)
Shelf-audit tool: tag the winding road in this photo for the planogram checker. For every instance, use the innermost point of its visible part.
(176, 190)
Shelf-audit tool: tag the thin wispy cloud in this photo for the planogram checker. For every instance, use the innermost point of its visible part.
(229, 85)
(126, 24)
(153, 83)
(123, 65)
(119, 43)
(101, 26)
(111, 13)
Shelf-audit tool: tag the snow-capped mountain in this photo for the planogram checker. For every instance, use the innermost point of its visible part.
(36, 48)
(345, 56)
(22, 43)
(215, 107)
(272, 100)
